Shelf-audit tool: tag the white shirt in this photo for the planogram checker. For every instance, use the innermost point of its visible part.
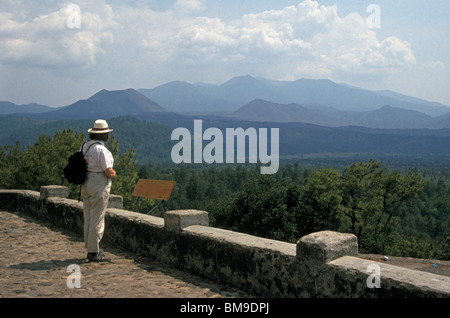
(98, 157)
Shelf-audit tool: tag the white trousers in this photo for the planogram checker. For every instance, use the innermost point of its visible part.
(95, 192)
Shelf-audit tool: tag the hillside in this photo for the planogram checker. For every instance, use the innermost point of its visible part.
(442, 121)
(261, 110)
(386, 117)
(152, 140)
(11, 108)
(105, 104)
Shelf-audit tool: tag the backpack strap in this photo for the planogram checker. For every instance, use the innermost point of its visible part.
(84, 154)
(81, 149)
(79, 193)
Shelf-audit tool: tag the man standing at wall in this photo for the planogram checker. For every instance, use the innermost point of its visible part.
(95, 190)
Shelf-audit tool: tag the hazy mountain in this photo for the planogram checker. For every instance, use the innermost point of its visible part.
(106, 104)
(386, 117)
(320, 102)
(442, 121)
(231, 95)
(11, 108)
(433, 108)
(389, 117)
(348, 98)
(184, 97)
(243, 89)
(261, 110)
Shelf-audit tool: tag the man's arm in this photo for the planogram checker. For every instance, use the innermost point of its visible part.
(110, 172)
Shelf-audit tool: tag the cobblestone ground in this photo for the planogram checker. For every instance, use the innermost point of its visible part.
(36, 259)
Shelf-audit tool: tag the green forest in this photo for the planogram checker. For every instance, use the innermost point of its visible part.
(398, 212)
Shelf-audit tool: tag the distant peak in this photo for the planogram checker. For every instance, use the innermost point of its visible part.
(243, 78)
(315, 80)
(105, 92)
(248, 76)
(391, 108)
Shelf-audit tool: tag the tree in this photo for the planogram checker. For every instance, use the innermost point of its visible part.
(193, 189)
(371, 195)
(359, 196)
(445, 252)
(363, 199)
(124, 183)
(319, 203)
(10, 159)
(263, 209)
(410, 247)
(41, 163)
(395, 189)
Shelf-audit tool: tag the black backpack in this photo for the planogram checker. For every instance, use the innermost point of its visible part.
(76, 169)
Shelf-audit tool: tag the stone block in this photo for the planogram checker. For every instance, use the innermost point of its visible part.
(325, 246)
(54, 191)
(115, 201)
(179, 219)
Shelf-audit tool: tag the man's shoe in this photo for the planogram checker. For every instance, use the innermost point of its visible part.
(97, 257)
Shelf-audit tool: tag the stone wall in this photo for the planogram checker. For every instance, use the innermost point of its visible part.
(322, 264)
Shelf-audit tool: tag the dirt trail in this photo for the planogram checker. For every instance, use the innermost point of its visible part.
(426, 265)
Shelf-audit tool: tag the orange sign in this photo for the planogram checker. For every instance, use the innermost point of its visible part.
(154, 189)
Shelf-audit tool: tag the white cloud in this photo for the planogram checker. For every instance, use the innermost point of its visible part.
(46, 39)
(304, 40)
(188, 6)
(436, 66)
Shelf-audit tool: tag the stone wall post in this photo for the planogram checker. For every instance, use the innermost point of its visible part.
(54, 191)
(318, 248)
(115, 201)
(179, 219)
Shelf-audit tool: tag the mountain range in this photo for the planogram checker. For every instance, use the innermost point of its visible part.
(315, 117)
(386, 117)
(320, 102)
(184, 97)
(11, 108)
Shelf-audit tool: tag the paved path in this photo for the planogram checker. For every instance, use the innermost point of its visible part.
(35, 258)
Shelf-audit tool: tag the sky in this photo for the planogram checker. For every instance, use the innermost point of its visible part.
(57, 52)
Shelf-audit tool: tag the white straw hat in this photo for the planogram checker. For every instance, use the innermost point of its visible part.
(100, 127)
